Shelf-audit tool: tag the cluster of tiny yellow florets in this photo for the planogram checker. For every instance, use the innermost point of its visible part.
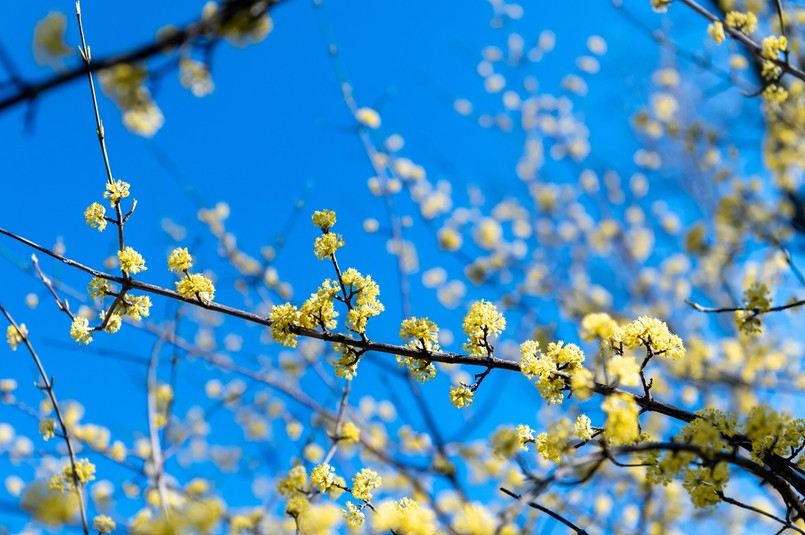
(328, 243)
(598, 325)
(247, 25)
(346, 365)
(16, 335)
(283, 317)
(775, 433)
(461, 396)
(364, 483)
(653, 334)
(556, 443)
(757, 301)
(559, 357)
(318, 310)
(482, 322)
(84, 472)
(506, 442)
(746, 23)
(80, 330)
(771, 47)
(47, 428)
(421, 334)
(716, 32)
(621, 425)
(362, 293)
(192, 285)
(404, 516)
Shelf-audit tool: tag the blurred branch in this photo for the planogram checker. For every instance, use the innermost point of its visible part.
(198, 30)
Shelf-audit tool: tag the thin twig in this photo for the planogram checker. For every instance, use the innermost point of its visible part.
(544, 509)
(47, 386)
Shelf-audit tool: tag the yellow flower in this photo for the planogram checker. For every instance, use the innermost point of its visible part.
(624, 369)
(368, 117)
(98, 287)
(180, 260)
(621, 424)
(15, 337)
(84, 472)
(103, 524)
(294, 482)
(583, 428)
(323, 476)
(461, 396)
(350, 432)
(131, 261)
(95, 214)
(49, 45)
(482, 322)
(364, 482)
(47, 428)
(653, 333)
(324, 219)
(353, 515)
(196, 285)
(746, 23)
(365, 303)
(555, 444)
(80, 330)
(7, 386)
(195, 76)
(116, 191)
(136, 307)
(283, 317)
(326, 245)
(598, 325)
(716, 32)
(773, 45)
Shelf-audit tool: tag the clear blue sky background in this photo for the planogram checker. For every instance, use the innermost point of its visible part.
(276, 129)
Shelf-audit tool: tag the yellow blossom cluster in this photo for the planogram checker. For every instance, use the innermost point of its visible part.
(598, 325)
(621, 425)
(559, 357)
(362, 293)
(746, 23)
(47, 428)
(324, 219)
(556, 443)
(327, 244)
(421, 334)
(125, 85)
(283, 317)
(16, 335)
(364, 483)
(482, 322)
(346, 366)
(95, 214)
(461, 396)
(654, 335)
(116, 191)
(84, 472)
(80, 330)
(323, 477)
(404, 516)
(318, 310)
(248, 25)
(756, 301)
(192, 285)
(131, 261)
(716, 32)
